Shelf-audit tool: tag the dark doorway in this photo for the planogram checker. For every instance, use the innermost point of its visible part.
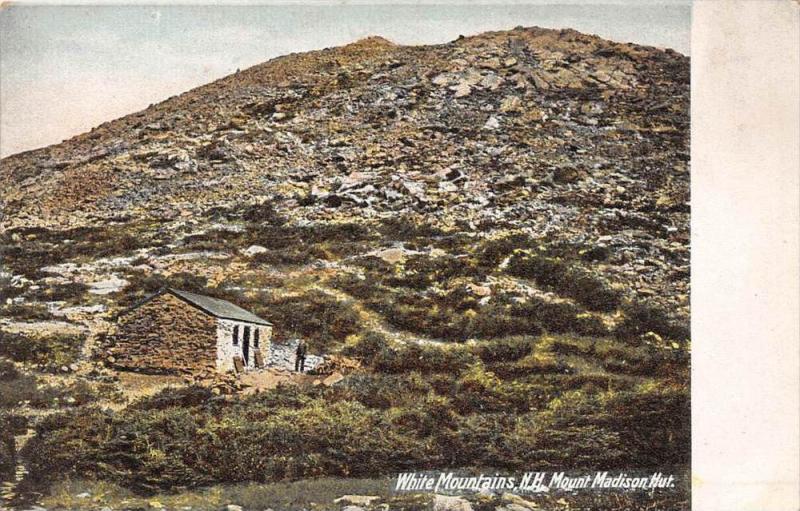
(246, 345)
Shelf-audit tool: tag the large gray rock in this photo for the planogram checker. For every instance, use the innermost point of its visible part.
(282, 356)
(359, 500)
(447, 503)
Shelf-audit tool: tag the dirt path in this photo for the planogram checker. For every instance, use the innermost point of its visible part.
(271, 378)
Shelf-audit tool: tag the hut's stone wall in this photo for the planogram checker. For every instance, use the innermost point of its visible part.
(165, 335)
(227, 350)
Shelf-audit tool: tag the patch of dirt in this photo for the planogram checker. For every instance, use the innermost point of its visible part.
(136, 385)
(270, 378)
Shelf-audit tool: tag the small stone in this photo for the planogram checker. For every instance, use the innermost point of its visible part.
(441, 80)
(233, 507)
(511, 104)
(492, 63)
(253, 250)
(446, 503)
(462, 89)
(601, 76)
(333, 379)
(361, 500)
(517, 503)
(480, 290)
(492, 123)
(391, 255)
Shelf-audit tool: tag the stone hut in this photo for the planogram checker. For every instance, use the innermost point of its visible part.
(176, 331)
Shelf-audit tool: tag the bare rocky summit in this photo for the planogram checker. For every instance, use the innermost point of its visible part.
(553, 134)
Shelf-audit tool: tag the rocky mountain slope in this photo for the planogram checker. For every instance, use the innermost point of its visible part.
(550, 133)
(499, 224)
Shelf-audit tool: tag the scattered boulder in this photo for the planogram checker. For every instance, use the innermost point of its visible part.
(448, 503)
(253, 250)
(511, 104)
(357, 500)
(492, 123)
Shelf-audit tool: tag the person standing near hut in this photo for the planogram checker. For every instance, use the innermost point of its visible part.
(300, 356)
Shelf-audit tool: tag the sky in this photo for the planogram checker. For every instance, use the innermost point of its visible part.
(67, 68)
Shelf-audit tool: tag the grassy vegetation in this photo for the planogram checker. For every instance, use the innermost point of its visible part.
(51, 352)
(72, 293)
(26, 251)
(566, 279)
(454, 314)
(319, 495)
(25, 388)
(286, 244)
(510, 403)
(26, 312)
(317, 316)
(544, 365)
(10, 425)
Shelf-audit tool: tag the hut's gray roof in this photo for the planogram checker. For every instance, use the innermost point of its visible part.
(219, 308)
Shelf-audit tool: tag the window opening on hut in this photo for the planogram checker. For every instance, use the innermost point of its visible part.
(236, 335)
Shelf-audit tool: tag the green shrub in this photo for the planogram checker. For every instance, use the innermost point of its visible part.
(317, 316)
(565, 279)
(263, 213)
(423, 358)
(491, 252)
(8, 448)
(408, 227)
(653, 411)
(426, 416)
(420, 271)
(355, 286)
(7, 291)
(8, 371)
(324, 232)
(368, 347)
(169, 397)
(19, 388)
(539, 363)
(214, 240)
(377, 390)
(507, 349)
(41, 247)
(72, 292)
(161, 449)
(26, 311)
(53, 351)
(482, 438)
(479, 390)
(482, 421)
(554, 317)
(640, 319)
